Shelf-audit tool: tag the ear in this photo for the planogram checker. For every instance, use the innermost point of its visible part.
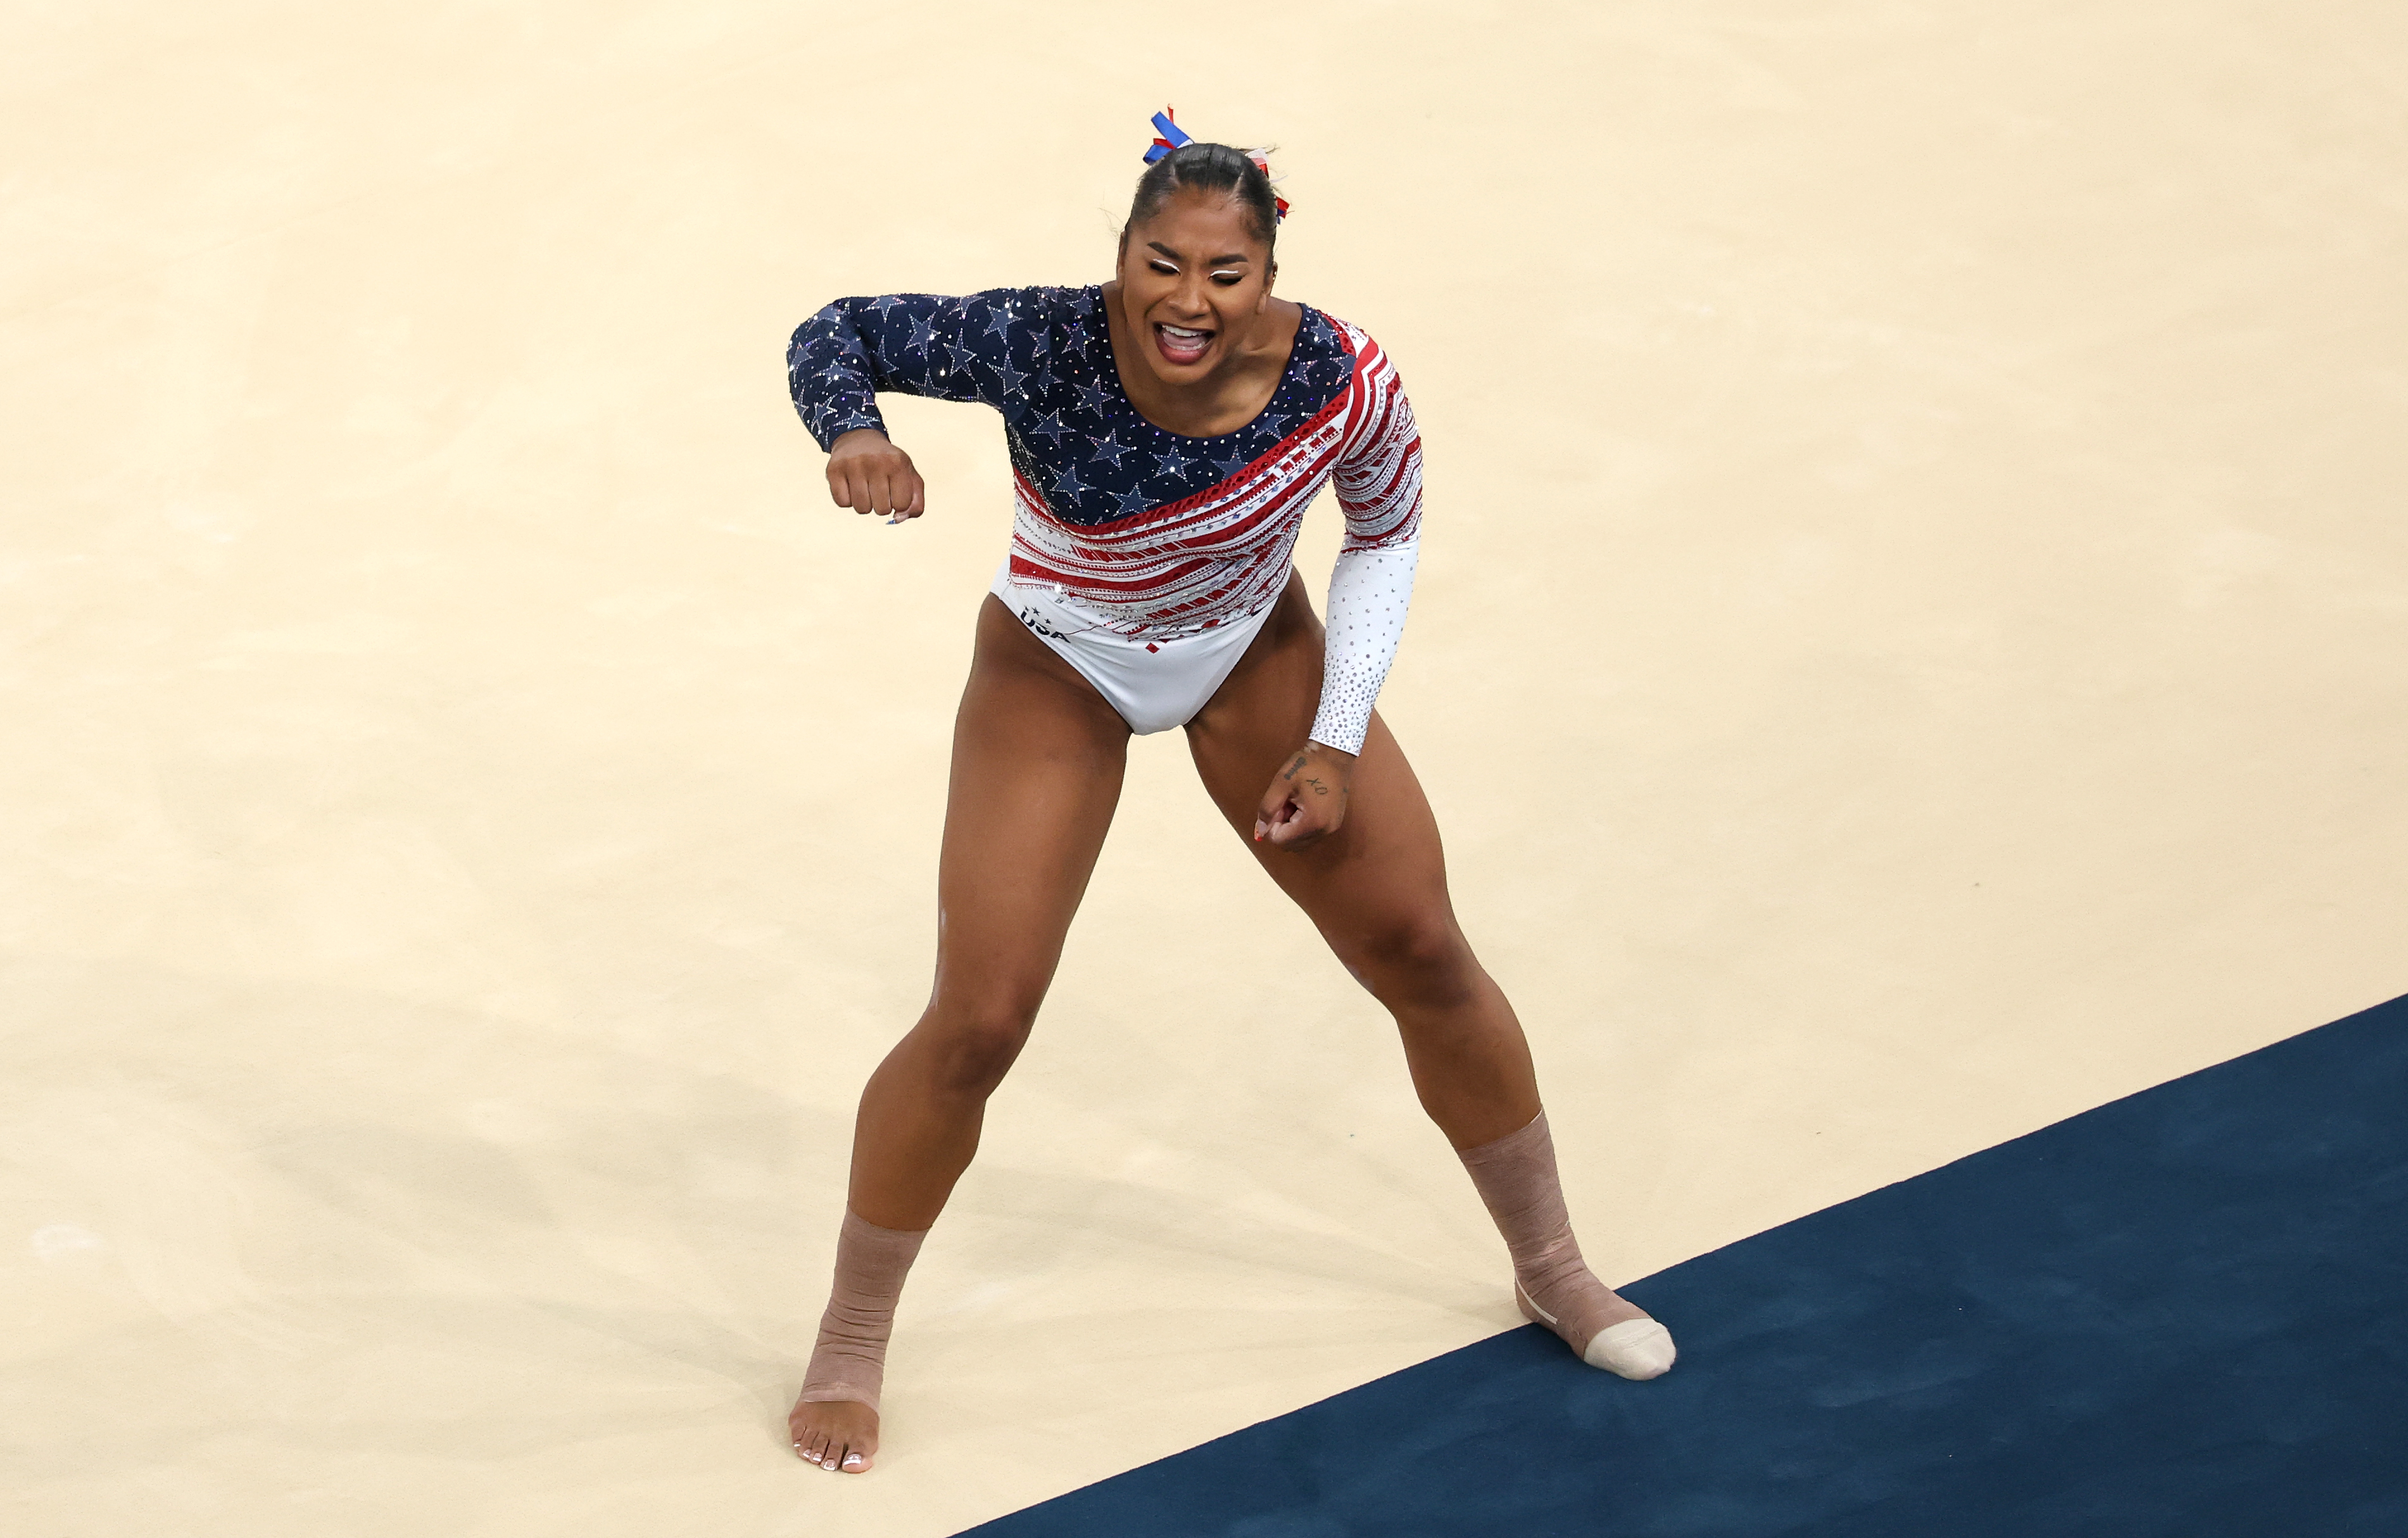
(1120, 257)
(1270, 275)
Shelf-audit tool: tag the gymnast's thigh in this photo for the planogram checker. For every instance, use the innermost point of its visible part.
(1379, 880)
(1037, 768)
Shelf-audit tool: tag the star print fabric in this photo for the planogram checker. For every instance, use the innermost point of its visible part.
(1155, 533)
(1042, 357)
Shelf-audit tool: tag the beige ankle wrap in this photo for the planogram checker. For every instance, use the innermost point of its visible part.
(849, 1360)
(1552, 1284)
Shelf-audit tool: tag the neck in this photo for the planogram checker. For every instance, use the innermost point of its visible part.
(1239, 386)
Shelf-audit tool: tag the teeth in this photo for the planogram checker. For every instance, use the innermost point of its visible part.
(1183, 334)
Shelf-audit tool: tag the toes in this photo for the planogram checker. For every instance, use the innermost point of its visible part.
(830, 1448)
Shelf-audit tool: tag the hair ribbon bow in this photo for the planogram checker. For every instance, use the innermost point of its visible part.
(1168, 135)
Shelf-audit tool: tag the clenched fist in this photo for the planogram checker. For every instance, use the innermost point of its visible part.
(868, 474)
(1307, 799)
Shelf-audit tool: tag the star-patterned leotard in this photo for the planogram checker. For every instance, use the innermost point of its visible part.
(1132, 546)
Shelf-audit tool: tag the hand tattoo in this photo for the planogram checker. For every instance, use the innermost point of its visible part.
(1318, 788)
(1289, 773)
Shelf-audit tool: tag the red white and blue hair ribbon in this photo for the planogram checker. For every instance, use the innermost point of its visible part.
(1168, 135)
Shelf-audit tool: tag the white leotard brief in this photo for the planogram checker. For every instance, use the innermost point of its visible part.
(1154, 684)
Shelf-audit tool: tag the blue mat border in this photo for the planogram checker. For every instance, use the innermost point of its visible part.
(2182, 1313)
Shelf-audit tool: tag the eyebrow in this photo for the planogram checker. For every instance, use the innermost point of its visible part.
(1216, 262)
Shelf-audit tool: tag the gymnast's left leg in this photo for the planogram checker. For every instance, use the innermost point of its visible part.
(1376, 889)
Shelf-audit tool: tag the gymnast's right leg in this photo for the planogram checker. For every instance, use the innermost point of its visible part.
(1037, 760)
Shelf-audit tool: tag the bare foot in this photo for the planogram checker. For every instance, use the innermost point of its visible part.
(840, 1435)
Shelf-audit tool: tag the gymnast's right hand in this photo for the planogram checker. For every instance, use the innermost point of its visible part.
(868, 474)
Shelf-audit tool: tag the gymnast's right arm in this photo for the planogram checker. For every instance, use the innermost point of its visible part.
(918, 344)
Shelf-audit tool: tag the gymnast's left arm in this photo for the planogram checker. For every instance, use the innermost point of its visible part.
(1378, 481)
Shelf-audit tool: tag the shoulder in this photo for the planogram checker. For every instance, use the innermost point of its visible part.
(1379, 420)
(1370, 361)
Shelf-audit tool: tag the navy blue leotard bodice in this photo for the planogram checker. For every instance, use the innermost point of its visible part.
(1042, 357)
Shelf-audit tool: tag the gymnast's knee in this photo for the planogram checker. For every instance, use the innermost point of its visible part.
(1419, 960)
(972, 1043)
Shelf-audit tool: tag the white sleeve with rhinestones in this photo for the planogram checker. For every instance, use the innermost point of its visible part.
(1369, 591)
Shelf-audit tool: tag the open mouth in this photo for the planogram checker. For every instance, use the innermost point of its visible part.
(1178, 344)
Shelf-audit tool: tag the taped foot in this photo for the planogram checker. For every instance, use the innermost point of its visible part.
(835, 1421)
(1553, 1285)
(1603, 1327)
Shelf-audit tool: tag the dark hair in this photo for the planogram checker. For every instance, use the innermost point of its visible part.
(1213, 168)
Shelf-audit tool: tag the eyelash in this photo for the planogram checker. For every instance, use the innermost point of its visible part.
(1226, 279)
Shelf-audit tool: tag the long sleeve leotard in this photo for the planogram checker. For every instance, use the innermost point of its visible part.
(1155, 533)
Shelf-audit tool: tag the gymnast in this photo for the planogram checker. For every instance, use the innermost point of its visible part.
(1165, 431)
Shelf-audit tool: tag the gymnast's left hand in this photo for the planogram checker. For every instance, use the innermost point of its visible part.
(1306, 801)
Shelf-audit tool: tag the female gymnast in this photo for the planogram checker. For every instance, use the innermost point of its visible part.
(1167, 430)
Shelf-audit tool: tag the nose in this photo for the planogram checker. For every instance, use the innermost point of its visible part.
(1187, 300)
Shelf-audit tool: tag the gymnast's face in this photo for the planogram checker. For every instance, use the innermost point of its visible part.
(1194, 278)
